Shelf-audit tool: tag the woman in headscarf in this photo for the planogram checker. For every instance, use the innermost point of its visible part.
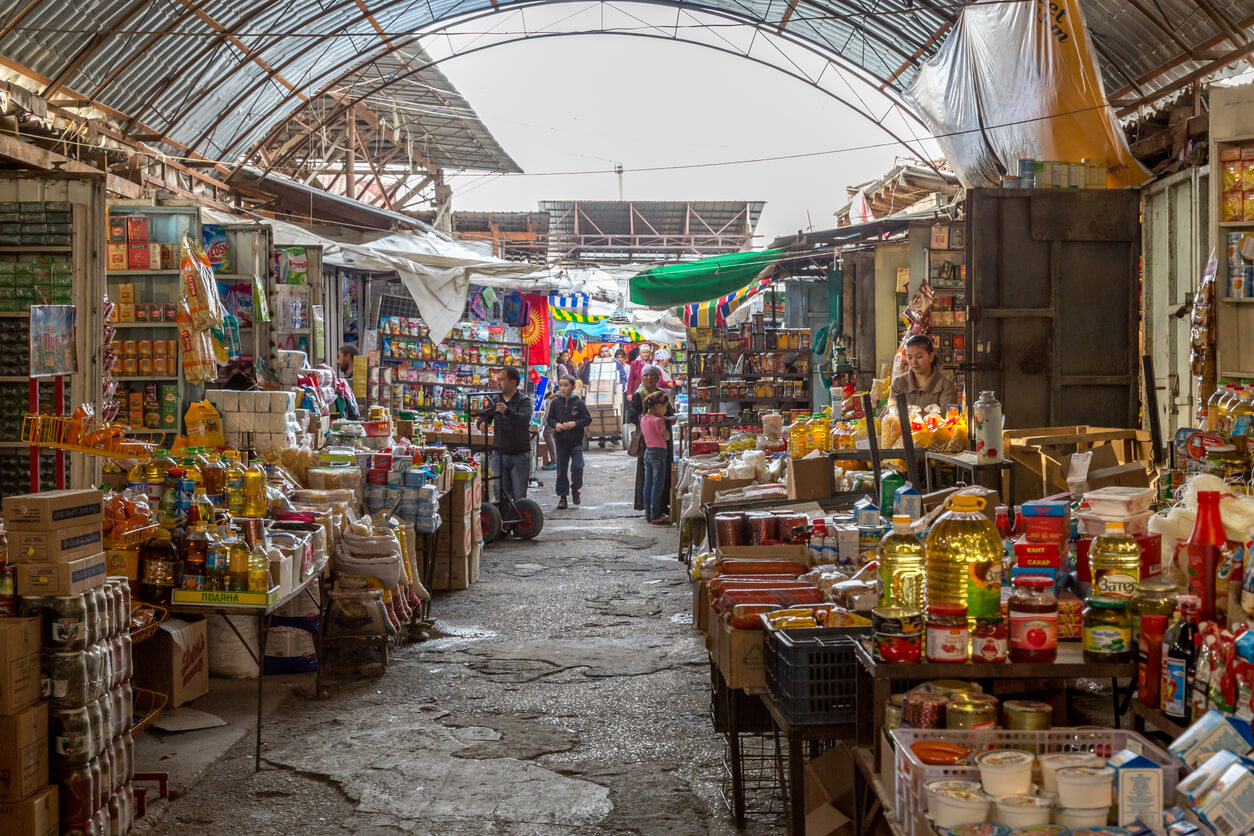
(649, 377)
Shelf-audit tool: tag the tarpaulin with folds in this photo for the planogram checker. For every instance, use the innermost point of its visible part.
(1019, 80)
(699, 281)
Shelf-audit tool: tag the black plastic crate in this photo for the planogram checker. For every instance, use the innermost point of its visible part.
(813, 674)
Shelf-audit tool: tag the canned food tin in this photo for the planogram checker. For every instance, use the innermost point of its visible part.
(730, 528)
(971, 711)
(924, 710)
(1026, 715)
(898, 633)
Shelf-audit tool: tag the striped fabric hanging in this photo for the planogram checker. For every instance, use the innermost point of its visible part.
(567, 315)
(577, 303)
(714, 313)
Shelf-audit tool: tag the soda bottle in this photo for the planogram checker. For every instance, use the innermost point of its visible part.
(901, 567)
(234, 484)
(255, 504)
(258, 569)
(1115, 561)
(1178, 660)
(964, 559)
(154, 473)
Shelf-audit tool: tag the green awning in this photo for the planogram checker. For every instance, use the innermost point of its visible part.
(701, 281)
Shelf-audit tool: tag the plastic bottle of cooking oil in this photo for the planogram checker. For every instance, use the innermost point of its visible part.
(1212, 405)
(154, 472)
(137, 480)
(964, 554)
(234, 484)
(818, 429)
(1225, 404)
(258, 569)
(192, 467)
(901, 557)
(255, 491)
(799, 438)
(214, 473)
(1115, 561)
(1241, 411)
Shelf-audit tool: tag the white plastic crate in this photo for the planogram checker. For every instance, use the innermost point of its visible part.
(913, 775)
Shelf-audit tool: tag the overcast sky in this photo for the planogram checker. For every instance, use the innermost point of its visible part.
(585, 102)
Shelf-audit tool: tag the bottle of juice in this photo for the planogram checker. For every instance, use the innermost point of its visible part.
(901, 558)
(155, 472)
(1115, 561)
(255, 491)
(258, 569)
(964, 559)
(234, 484)
(1178, 656)
(1212, 405)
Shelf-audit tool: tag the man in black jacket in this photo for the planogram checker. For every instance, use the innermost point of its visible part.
(512, 414)
(567, 417)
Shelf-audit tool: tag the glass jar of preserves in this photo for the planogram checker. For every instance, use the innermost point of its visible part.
(78, 792)
(1033, 620)
(989, 640)
(1107, 630)
(1226, 462)
(68, 673)
(72, 739)
(948, 638)
(67, 624)
(1153, 596)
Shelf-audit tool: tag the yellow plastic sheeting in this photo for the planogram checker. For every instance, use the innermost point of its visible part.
(1018, 80)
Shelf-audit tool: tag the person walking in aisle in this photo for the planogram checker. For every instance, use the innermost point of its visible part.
(564, 366)
(568, 415)
(512, 414)
(656, 458)
(636, 410)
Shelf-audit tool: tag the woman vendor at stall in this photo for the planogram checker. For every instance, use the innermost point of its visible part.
(924, 384)
(649, 377)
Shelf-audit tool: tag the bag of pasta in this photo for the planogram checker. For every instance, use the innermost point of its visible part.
(200, 286)
(890, 431)
(198, 359)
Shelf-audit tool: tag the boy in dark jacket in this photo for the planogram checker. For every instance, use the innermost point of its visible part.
(567, 417)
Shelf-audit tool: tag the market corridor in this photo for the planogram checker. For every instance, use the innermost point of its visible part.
(565, 692)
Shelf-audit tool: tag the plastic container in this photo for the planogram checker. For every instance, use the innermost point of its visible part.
(1082, 818)
(937, 790)
(1005, 772)
(958, 807)
(987, 828)
(1119, 502)
(1050, 764)
(1040, 830)
(1085, 787)
(912, 775)
(964, 559)
(1021, 810)
(901, 567)
(1134, 525)
(813, 674)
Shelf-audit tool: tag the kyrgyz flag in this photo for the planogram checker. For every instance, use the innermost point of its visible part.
(535, 332)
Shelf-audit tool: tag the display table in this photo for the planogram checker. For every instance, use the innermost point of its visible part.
(877, 681)
(262, 614)
(967, 463)
(796, 737)
(1143, 715)
(873, 798)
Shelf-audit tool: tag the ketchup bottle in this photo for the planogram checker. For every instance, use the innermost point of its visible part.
(1204, 549)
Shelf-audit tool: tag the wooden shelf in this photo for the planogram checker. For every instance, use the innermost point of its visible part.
(15, 314)
(143, 324)
(1157, 719)
(32, 248)
(149, 377)
(118, 274)
(1236, 224)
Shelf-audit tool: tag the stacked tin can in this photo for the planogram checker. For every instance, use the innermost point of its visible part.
(1240, 269)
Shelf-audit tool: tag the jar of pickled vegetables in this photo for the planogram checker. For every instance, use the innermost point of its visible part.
(1107, 630)
(1153, 596)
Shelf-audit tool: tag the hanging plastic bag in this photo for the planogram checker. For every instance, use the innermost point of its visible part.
(200, 286)
(204, 425)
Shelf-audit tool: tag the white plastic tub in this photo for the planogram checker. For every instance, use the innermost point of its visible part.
(1076, 819)
(1054, 761)
(1006, 772)
(1085, 787)
(1120, 502)
(1021, 810)
(1134, 525)
(955, 807)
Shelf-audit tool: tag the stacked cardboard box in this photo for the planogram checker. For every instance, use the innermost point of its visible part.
(55, 539)
(460, 539)
(27, 804)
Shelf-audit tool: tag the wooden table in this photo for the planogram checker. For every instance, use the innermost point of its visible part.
(877, 680)
(797, 736)
(1142, 714)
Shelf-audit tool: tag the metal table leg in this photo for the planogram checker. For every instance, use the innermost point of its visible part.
(263, 628)
(737, 768)
(796, 789)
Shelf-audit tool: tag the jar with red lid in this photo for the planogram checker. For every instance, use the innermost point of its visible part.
(1033, 620)
(948, 637)
(989, 640)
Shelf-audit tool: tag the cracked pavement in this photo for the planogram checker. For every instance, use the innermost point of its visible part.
(566, 692)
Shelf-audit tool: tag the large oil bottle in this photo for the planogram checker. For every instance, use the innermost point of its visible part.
(901, 558)
(964, 553)
(1115, 561)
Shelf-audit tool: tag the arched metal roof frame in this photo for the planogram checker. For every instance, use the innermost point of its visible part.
(358, 98)
(347, 19)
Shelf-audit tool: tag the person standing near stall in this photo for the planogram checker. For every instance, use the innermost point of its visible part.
(924, 383)
(512, 415)
(656, 430)
(568, 415)
(650, 375)
(636, 370)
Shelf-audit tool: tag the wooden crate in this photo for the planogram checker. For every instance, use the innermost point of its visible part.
(1038, 453)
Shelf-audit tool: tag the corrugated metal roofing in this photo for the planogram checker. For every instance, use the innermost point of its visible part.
(218, 75)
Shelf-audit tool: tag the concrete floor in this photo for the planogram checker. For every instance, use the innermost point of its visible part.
(566, 692)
